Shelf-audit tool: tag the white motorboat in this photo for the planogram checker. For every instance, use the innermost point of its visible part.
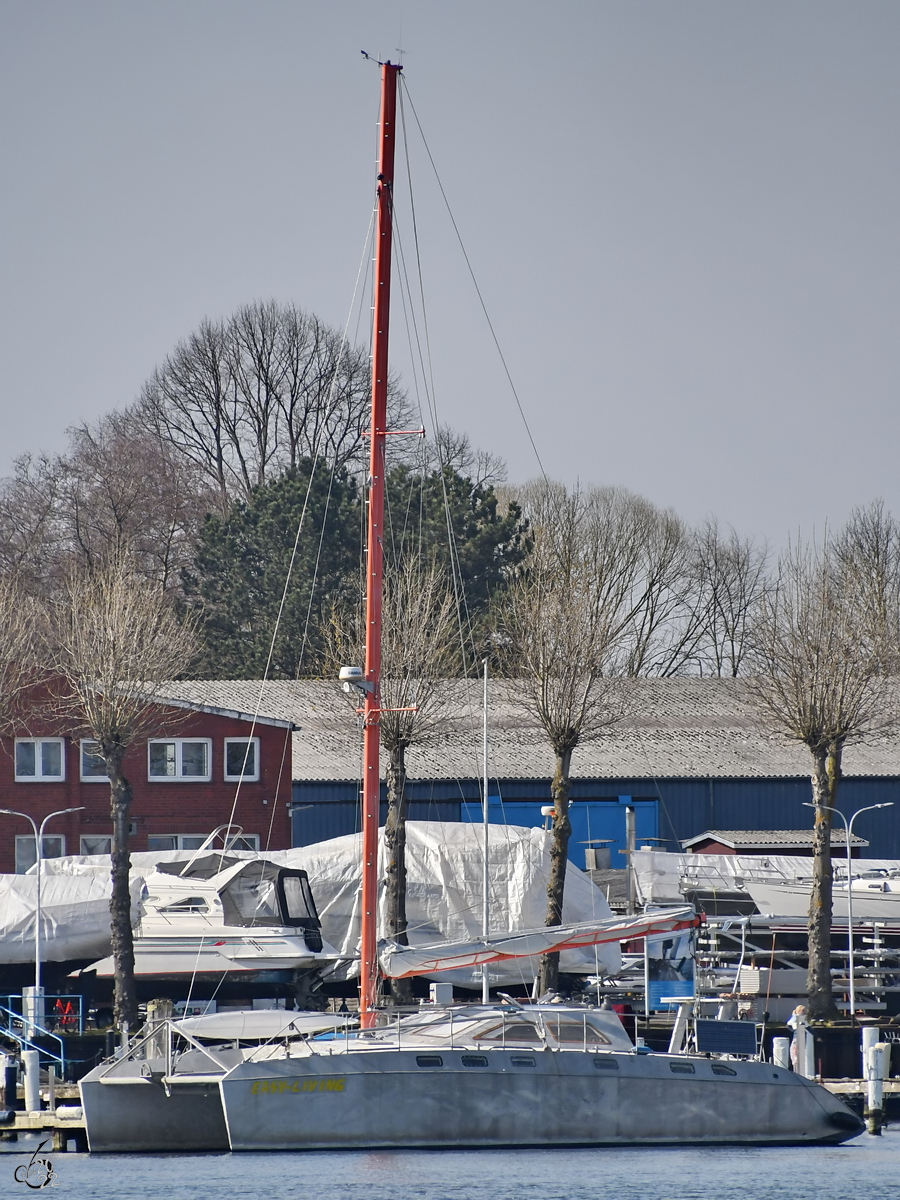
(218, 914)
(876, 897)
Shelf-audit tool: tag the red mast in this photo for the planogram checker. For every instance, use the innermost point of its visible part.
(371, 784)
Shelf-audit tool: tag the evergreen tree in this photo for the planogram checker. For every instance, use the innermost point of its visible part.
(456, 523)
(238, 575)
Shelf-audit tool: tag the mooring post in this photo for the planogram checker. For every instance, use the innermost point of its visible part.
(876, 1056)
(781, 1052)
(31, 1060)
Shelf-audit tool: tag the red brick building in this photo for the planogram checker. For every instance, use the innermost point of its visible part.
(218, 766)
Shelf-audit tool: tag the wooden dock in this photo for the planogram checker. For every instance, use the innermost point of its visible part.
(62, 1129)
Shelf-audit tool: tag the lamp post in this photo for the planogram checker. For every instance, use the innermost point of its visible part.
(849, 833)
(38, 847)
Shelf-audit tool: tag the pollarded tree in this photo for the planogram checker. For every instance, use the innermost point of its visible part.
(820, 678)
(419, 653)
(556, 635)
(112, 639)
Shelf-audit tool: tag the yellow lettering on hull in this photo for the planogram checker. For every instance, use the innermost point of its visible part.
(275, 1087)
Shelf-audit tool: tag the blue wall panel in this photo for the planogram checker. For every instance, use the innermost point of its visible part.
(684, 807)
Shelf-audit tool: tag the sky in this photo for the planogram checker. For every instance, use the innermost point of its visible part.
(682, 216)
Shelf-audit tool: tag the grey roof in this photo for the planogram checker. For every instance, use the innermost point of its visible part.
(672, 728)
(781, 838)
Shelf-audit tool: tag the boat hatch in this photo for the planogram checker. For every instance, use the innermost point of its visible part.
(265, 894)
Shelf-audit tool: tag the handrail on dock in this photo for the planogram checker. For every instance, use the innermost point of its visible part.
(24, 1041)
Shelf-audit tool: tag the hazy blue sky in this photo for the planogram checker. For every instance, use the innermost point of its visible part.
(684, 215)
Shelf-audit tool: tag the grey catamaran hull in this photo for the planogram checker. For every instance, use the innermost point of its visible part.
(356, 1101)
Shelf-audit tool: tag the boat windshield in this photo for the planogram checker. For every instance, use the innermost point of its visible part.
(251, 898)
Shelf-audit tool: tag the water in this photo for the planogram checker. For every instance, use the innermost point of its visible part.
(867, 1168)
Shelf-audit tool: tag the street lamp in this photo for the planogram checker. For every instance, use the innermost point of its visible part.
(38, 846)
(849, 832)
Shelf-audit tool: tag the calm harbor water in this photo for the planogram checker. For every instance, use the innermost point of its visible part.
(867, 1167)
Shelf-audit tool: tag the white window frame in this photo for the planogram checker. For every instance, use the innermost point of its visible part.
(81, 750)
(39, 776)
(23, 839)
(252, 840)
(254, 778)
(93, 837)
(179, 744)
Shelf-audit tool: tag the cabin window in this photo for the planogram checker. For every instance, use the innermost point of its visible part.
(93, 768)
(429, 1060)
(242, 759)
(189, 904)
(521, 1060)
(96, 844)
(179, 758)
(52, 846)
(721, 1069)
(603, 1063)
(40, 759)
(574, 1033)
(515, 1031)
(474, 1060)
(679, 1068)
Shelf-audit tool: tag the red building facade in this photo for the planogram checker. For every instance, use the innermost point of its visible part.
(218, 766)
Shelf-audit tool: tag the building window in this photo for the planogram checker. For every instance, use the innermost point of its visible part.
(96, 844)
(93, 768)
(242, 759)
(180, 758)
(40, 759)
(52, 846)
(193, 841)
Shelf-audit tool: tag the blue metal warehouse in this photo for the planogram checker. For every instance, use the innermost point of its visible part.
(690, 754)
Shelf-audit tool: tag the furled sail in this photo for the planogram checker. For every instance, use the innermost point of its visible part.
(400, 962)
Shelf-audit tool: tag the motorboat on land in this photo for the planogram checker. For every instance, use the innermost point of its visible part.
(217, 914)
(875, 894)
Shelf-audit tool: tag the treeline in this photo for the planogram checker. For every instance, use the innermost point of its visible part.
(255, 426)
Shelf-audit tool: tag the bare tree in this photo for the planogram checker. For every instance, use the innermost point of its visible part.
(867, 556)
(646, 581)
(116, 484)
(19, 662)
(420, 652)
(113, 639)
(730, 577)
(557, 636)
(819, 679)
(248, 398)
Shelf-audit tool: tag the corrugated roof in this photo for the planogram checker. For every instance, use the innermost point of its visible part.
(769, 837)
(672, 728)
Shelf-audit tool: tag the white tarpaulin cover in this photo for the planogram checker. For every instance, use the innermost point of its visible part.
(399, 962)
(661, 876)
(443, 893)
(74, 915)
(445, 864)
